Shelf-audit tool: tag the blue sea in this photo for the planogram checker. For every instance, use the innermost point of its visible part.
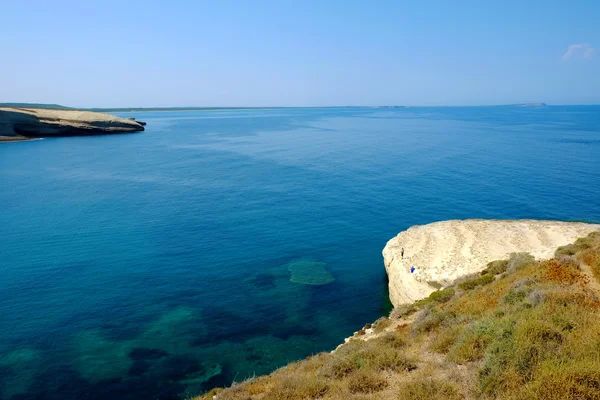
(222, 244)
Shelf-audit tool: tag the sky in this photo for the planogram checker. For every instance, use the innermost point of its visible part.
(299, 53)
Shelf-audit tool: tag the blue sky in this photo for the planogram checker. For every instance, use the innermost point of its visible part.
(299, 53)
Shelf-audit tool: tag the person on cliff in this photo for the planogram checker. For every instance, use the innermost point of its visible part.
(402, 253)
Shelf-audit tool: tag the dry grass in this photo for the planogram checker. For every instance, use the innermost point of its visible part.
(429, 389)
(381, 324)
(523, 330)
(366, 382)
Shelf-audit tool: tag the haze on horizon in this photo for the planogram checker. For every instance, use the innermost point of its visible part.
(286, 53)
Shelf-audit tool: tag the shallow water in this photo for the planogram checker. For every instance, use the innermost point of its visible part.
(222, 244)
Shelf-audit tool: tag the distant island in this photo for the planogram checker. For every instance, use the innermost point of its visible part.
(19, 123)
(529, 105)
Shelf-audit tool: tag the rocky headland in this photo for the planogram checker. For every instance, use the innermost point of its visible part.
(26, 123)
(442, 252)
(520, 328)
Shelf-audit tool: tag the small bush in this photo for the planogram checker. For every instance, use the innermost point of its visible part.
(429, 389)
(446, 338)
(366, 382)
(381, 358)
(298, 387)
(514, 296)
(571, 381)
(522, 283)
(373, 355)
(579, 245)
(473, 283)
(428, 320)
(392, 339)
(518, 261)
(442, 296)
(536, 297)
(472, 344)
(381, 324)
(341, 367)
(435, 285)
(403, 310)
(496, 267)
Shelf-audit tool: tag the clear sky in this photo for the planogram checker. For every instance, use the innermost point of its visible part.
(299, 53)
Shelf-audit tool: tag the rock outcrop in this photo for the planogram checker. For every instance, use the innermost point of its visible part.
(443, 251)
(39, 122)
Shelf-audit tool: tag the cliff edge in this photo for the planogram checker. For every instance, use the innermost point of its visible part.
(443, 251)
(38, 122)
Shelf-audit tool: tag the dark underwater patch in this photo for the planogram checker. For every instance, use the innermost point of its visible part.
(228, 326)
(179, 367)
(145, 354)
(263, 281)
(286, 332)
(139, 367)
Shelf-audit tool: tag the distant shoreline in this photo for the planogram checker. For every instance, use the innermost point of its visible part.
(192, 109)
(14, 139)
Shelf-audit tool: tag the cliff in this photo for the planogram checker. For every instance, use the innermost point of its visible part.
(522, 329)
(38, 122)
(442, 252)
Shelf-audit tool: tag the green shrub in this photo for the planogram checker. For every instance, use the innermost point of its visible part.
(519, 260)
(404, 310)
(439, 296)
(495, 267)
(428, 320)
(442, 296)
(514, 296)
(435, 285)
(446, 338)
(473, 342)
(392, 339)
(473, 283)
(579, 245)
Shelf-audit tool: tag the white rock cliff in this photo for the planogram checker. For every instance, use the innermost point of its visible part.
(444, 251)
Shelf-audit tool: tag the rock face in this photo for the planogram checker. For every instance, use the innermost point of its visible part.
(444, 251)
(39, 122)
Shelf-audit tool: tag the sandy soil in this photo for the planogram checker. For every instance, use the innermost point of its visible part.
(444, 251)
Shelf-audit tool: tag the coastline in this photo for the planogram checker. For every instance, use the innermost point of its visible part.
(15, 139)
(460, 329)
(436, 255)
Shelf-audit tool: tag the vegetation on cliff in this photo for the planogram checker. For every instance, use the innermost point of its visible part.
(522, 329)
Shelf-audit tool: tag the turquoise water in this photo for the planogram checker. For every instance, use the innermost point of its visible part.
(222, 244)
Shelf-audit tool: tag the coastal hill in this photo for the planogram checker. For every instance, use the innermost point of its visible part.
(521, 328)
(26, 123)
(437, 254)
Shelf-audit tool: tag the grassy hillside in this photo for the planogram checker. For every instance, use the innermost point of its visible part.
(522, 329)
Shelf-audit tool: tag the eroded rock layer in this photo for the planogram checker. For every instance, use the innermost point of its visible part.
(39, 122)
(443, 251)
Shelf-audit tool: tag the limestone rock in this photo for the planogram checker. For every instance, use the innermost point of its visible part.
(443, 251)
(39, 122)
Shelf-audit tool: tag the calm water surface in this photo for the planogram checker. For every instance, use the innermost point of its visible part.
(221, 244)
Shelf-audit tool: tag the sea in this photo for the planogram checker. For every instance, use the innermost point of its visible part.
(222, 244)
